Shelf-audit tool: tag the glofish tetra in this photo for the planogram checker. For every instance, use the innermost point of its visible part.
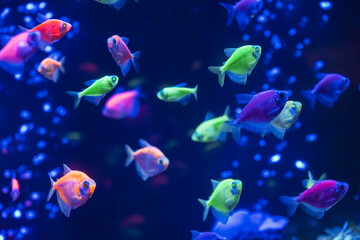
(179, 93)
(72, 190)
(15, 191)
(50, 68)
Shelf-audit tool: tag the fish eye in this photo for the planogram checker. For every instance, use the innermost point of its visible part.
(342, 188)
(63, 25)
(257, 49)
(293, 106)
(114, 41)
(161, 161)
(233, 185)
(113, 78)
(86, 184)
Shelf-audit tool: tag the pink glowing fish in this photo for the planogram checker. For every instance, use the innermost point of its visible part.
(121, 53)
(18, 50)
(122, 104)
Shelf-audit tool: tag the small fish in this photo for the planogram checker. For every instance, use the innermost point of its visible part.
(243, 11)
(18, 50)
(328, 90)
(50, 68)
(257, 115)
(240, 64)
(72, 190)
(15, 192)
(117, 4)
(121, 54)
(210, 129)
(319, 198)
(223, 200)
(122, 104)
(96, 90)
(179, 93)
(149, 160)
(206, 236)
(286, 118)
(308, 183)
(51, 29)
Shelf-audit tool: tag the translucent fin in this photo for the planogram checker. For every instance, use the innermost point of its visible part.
(62, 62)
(326, 101)
(119, 4)
(130, 154)
(221, 75)
(256, 127)
(135, 109)
(221, 216)
(206, 208)
(23, 29)
(194, 234)
(227, 111)
(229, 51)
(56, 75)
(242, 19)
(208, 116)
(278, 132)
(52, 190)
(236, 134)
(135, 60)
(144, 143)
(41, 18)
(231, 13)
(310, 97)
(90, 82)
(243, 98)
(214, 183)
(63, 206)
(313, 211)
(125, 40)
(66, 169)
(180, 85)
(76, 97)
(185, 100)
(141, 172)
(322, 177)
(290, 203)
(125, 67)
(42, 45)
(94, 99)
(238, 78)
(222, 137)
(195, 92)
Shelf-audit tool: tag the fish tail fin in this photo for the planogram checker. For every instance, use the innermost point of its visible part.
(135, 60)
(221, 75)
(235, 130)
(310, 97)
(231, 13)
(62, 62)
(130, 153)
(118, 4)
(195, 91)
(291, 203)
(52, 190)
(76, 97)
(206, 208)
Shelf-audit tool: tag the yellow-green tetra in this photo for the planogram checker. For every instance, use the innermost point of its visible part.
(210, 129)
(179, 93)
(96, 90)
(223, 200)
(240, 64)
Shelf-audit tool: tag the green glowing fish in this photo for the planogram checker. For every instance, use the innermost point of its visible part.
(308, 183)
(179, 93)
(285, 119)
(240, 64)
(223, 200)
(96, 90)
(210, 129)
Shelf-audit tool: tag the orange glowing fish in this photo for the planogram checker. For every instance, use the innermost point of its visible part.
(73, 190)
(15, 192)
(50, 68)
(149, 160)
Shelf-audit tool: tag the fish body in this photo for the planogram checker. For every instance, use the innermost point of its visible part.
(240, 64)
(206, 236)
(73, 190)
(50, 68)
(15, 192)
(149, 160)
(121, 54)
(96, 90)
(122, 104)
(223, 200)
(18, 50)
(328, 90)
(316, 200)
(179, 93)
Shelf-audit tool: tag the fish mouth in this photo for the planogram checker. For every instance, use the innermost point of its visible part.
(68, 27)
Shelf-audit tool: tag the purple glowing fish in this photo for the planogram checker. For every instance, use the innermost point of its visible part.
(243, 11)
(258, 113)
(317, 199)
(206, 236)
(18, 50)
(328, 90)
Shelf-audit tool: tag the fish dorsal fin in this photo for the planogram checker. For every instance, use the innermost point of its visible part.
(194, 234)
(125, 40)
(66, 169)
(310, 176)
(23, 29)
(227, 111)
(243, 98)
(229, 51)
(214, 183)
(90, 82)
(144, 143)
(119, 89)
(180, 85)
(208, 116)
(41, 18)
(322, 177)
